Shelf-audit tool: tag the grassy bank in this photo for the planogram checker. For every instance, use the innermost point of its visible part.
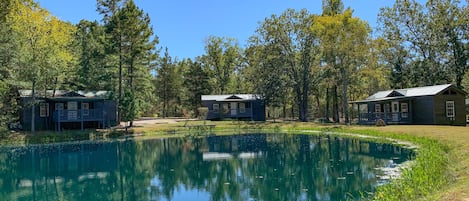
(441, 171)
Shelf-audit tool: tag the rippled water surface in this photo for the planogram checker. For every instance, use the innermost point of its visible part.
(239, 167)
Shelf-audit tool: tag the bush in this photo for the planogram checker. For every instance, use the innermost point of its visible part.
(380, 122)
(203, 112)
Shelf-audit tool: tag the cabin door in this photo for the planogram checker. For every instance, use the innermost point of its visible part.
(72, 109)
(234, 109)
(395, 111)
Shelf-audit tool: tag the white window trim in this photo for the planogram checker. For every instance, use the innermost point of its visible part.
(405, 110)
(85, 110)
(377, 108)
(450, 109)
(242, 107)
(44, 109)
(217, 108)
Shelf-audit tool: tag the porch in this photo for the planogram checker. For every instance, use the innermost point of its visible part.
(233, 113)
(81, 116)
(388, 117)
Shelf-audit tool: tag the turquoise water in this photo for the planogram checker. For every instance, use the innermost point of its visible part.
(239, 167)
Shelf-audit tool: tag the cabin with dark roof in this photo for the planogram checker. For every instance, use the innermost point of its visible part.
(235, 106)
(58, 110)
(437, 105)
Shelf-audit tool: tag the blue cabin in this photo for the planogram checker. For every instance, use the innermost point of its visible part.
(437, 105)
(58, 110)
(235, 106)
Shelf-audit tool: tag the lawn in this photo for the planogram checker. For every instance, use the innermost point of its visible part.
(457, 140)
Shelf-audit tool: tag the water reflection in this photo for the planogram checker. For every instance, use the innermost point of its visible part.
(240, 167)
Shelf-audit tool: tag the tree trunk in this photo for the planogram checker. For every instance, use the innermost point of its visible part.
(318, 105)
(326, 116)
(131, 83)
(336, 105)
(344, 94)
(33, 103)
(119, 98)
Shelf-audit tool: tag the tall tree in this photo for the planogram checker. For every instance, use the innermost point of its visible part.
(165, 83)
(93, 72)
(433, 37)
(290, 45)
(130, 38)
(332, 7)
(223, 56)
(8, 54)
(44, 45)
(197, 82)
(344, 41)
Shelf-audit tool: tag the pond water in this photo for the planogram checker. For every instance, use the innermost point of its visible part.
(239, 167)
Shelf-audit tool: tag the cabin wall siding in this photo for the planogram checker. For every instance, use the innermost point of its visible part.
(422, 109)
(258, 110)
(47, 123)
(40, 123)
(257, 107)
(110, 113)
(459, 107)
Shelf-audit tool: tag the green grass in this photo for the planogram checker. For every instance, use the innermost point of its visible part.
(439, 172)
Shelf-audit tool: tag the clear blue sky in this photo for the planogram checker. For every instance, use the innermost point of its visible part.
(183, 25)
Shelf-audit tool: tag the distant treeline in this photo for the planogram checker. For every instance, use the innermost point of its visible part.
(304, 65)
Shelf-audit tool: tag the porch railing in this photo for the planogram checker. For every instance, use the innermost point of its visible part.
(78, 115)
(388, 117)
(246, 113)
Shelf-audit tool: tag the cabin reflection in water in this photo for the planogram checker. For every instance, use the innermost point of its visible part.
(239, 146)
(59, 162)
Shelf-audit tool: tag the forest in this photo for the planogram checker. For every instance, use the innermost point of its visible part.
(305, 66)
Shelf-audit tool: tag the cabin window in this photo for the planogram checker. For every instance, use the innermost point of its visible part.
(72, 105)
(226, 108)
(85, 108)
(450, 109)
(405, 110)
(363, 108)
(387, 108)
(378, 108)
(216, 107)
(242, 108)
(59, 106)
(44, 109)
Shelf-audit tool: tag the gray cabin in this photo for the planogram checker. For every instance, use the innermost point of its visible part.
(58, 110)
(235, 106)
(438, 105)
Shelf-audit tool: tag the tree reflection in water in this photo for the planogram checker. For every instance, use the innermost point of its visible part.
(239, 167)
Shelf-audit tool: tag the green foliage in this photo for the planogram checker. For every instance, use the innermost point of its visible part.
(197, 82)
(427, 175)
(427, 42)
(130, 46)
(167, 84)
(128, 106)
(93, 72)
(287, 56)
(223, 57)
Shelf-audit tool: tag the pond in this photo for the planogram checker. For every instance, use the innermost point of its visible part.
(239, 167)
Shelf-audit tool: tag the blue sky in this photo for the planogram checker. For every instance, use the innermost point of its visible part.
(183, 25)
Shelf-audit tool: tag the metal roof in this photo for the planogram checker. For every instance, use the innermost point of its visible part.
(230, 97)
(66, 94)
(406, 93)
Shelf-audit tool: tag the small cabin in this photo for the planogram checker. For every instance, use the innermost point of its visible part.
(236, 106)
(58, 110)
(437, 105)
